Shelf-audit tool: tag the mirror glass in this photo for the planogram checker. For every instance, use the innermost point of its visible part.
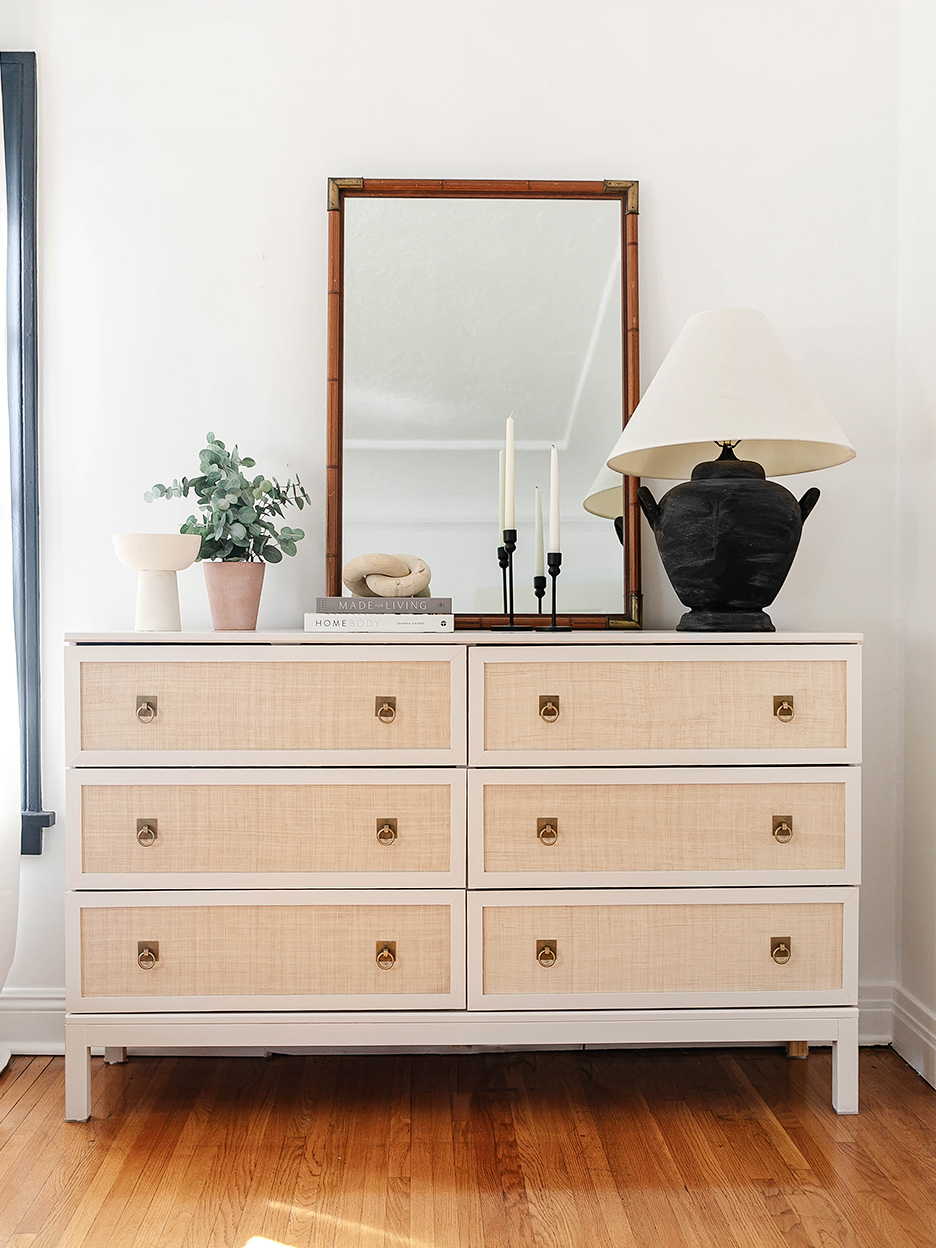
(457, 313)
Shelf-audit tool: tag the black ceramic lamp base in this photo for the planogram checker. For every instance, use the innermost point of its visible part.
(727, 539)
(706, 620)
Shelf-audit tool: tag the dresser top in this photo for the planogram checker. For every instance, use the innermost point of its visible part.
(604, 637)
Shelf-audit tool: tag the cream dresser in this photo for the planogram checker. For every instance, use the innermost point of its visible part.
(586, 838)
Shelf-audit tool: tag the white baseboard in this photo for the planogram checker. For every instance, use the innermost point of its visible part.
(915, 1034)
(875, 1013)
(32, 1020)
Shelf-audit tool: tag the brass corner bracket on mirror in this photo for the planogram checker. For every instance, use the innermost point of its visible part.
(413, 426)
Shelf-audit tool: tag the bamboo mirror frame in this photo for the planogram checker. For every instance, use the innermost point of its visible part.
(625, 192)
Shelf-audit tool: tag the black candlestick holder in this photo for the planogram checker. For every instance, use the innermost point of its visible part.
(539, 588)
(509, 546)
(553, 567)
(503, 562)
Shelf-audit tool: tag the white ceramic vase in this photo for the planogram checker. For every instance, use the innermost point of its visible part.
(157, 557)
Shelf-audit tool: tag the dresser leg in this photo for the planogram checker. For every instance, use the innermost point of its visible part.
(845, 1068)
(797, 1048)
(114, 1056)
(77, 1074)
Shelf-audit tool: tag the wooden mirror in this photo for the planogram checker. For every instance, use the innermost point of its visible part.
(452, 304)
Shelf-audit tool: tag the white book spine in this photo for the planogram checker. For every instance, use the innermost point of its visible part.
(318, 622)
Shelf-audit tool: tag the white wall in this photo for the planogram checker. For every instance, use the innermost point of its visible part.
(915, 1021)
(184, 154)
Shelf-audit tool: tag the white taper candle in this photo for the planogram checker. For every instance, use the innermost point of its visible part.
(539, 557)
(554, 501)
(510, 514)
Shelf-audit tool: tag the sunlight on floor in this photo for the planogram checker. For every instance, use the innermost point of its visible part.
(365, 1234)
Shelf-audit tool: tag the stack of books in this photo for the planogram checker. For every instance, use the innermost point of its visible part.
(381, 615)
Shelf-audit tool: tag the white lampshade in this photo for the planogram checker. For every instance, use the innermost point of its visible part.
(606, 496)
(728, 377)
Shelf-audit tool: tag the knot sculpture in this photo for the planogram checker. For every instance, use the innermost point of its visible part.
(387, 576)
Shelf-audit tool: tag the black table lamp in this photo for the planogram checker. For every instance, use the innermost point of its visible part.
(727, 536)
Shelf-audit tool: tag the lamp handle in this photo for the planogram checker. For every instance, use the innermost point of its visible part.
(648, 505)
(808, 502)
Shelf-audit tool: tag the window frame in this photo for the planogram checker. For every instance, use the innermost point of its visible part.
(18, 84)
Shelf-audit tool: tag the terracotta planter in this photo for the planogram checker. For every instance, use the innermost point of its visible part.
(234, 594)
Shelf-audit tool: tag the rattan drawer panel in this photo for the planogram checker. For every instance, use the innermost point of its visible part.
(663, 827)
(665, 705)
(265, 951)
(678, 949)
(266, 706)
(265, 828)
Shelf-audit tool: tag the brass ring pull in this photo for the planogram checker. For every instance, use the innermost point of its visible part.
(547, 831)
(549, 709)
(783, 708)
(780, 949)
(545, 954)
(146, 833)
(146, 710)
(386, 710)
(386, 955)
(782, 829)
(146, 958)
(386, 831)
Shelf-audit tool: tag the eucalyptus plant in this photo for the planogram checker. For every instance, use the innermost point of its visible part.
(237, 514)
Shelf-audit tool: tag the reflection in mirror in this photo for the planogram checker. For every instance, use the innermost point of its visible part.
(458, 312)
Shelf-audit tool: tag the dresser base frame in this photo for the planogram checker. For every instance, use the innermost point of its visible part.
(835, 1025)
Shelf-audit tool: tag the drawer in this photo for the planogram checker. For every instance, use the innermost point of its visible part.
(194, 828)
(279, 950)
(237, 705)
(663, 826)
(655, 947)
(553, 705)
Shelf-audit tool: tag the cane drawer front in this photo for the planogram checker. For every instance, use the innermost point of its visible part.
(781, 825)
(593, 950)
(301, 703)
(238, 828)
(666, 704)
(278, 951)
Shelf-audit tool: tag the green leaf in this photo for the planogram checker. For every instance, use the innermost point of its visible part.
(289, 548)
(148, 496)
(298, 534)
(249, 463)
(238, 531)
(272, 555)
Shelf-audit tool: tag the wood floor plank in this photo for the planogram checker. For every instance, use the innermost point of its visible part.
(243, 1159)
(146, 1164)
(320, 1077)
(858, 1189)
(646, 1175)
(222, 1140)
(178, 1185)
(466, 1179)
(584, 1144)
(89, 1185)
(576, 1149)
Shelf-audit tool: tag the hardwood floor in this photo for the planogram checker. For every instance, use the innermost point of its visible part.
(656, 1149)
